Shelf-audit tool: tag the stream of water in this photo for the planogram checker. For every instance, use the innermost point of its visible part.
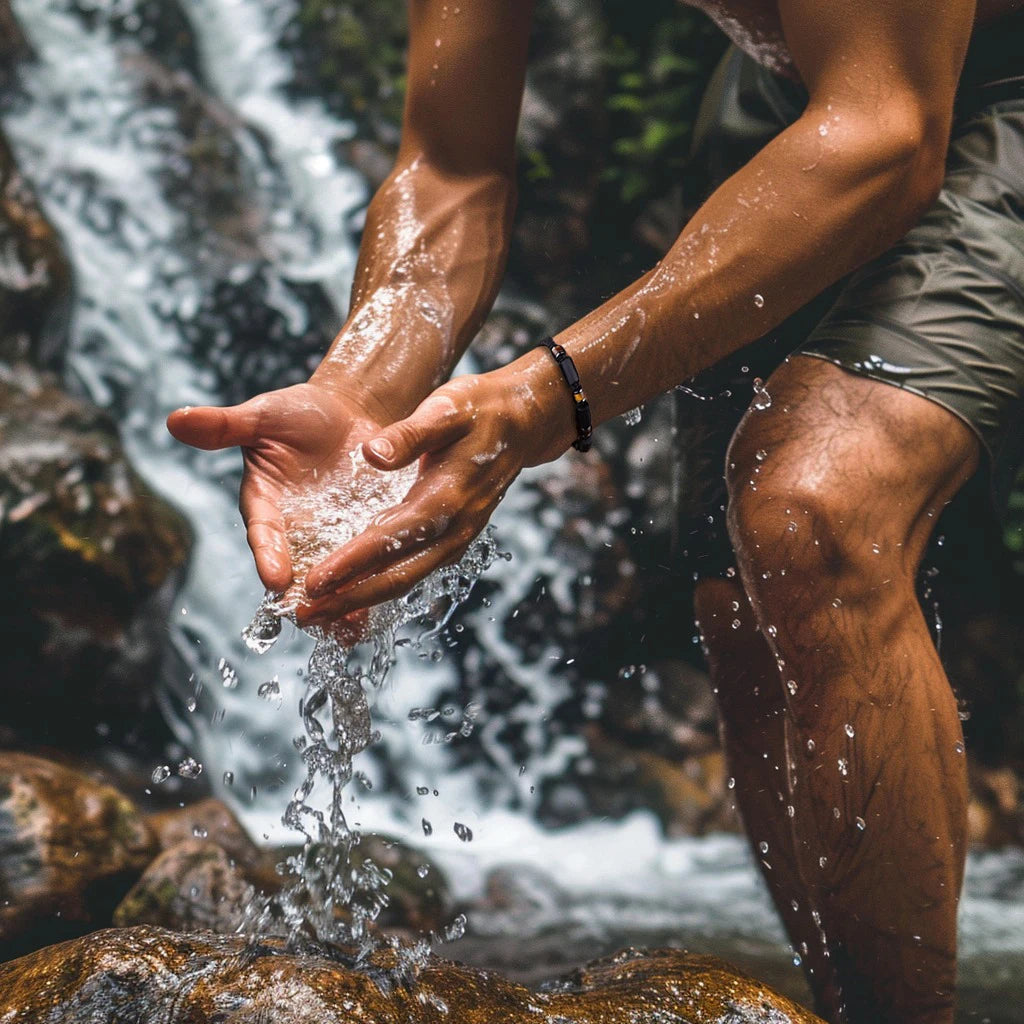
(161, 287)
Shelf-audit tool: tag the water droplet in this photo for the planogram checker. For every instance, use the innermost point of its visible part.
(428, 829)
(844, 767)
(199, 832)
(790, 811)
(632, 417)
(760, 455)
(731, 783)
(791, 686)
(190, 768)
(875, 549)
(423, 870)
(759, 301)
(822, 861)
(810, 746)
(160, 773)
(836, 813)
(229, 778)
(861, 823)
(792, 527)
(762, 846)
(959, 747)
(849, 730)
(269, 690)
(823, 129)
(422, 790)
(464, 832)
(772, 631)
(736, 623)
(797, 961)
(837, 602)
(794, 905)
(762, 400)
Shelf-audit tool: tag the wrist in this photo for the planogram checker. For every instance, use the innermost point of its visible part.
(541, 405)
(333, 378)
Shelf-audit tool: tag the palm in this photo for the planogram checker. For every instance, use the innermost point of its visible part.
(290, 439)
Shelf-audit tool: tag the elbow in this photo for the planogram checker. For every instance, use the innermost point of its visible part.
(913, 143)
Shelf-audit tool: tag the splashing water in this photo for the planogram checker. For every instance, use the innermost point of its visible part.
(329, 898)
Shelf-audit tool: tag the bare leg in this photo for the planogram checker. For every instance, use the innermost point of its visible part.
(833, 493)
(748, 687)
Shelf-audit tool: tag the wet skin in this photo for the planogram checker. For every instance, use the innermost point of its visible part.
(855, 462)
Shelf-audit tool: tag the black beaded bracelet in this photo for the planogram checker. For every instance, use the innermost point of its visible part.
(584, 421)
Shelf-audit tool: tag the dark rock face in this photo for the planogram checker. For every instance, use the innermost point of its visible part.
(35, 279)
(209, 820)
(192, 886)
(166, 978)
(69, 848)
(90, 558)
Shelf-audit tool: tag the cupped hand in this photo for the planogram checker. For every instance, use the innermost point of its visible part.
(289, 439)
(472, 437)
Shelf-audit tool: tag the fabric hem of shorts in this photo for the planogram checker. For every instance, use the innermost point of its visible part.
(860, 371)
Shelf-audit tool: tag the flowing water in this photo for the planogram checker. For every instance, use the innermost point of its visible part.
(191, 293)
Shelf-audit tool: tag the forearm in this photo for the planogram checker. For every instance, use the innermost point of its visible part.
(809, 208)
(437, 231)
(433, 252)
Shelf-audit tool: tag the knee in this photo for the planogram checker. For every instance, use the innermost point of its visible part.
(806, 537)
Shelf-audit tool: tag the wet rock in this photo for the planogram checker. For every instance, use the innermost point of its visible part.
(209, 820)
(419, 895)
(69, 849)
(194, 885)
(995, 814)
(185, 887)
(90, 559)
(35, 278)
(13, 45)
(155, 975)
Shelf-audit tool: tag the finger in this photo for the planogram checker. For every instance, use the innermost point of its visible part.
(436, 423)
(421, 519)
(265, 532)
(385, 586)
(210, 428)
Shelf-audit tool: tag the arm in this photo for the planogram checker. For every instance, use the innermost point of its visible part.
(433, 252)
(437, 231)
(837, 187)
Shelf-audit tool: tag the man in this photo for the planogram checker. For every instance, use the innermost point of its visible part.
(840, 726)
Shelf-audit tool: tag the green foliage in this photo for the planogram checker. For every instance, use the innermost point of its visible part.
(658, 64)
(358, 54)
(1013, 530)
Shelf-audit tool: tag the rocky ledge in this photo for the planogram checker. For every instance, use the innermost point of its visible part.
(163, 977)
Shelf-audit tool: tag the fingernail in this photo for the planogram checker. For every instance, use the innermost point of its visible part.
(382, 448)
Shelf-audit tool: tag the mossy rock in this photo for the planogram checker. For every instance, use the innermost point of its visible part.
(151, 974)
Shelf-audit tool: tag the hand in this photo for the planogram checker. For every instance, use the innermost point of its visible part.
(289, 438)
(473, 436)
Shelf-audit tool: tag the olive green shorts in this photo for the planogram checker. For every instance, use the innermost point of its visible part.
(940, 314)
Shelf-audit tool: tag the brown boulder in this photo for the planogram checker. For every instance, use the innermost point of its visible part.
(69, 849)
(419, 896)
(211, 821)
(151, 974)
(90, 558)
(35, 277)
(192, 886)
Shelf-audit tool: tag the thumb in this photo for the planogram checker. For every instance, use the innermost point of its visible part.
(436, 423)
(209, 428)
